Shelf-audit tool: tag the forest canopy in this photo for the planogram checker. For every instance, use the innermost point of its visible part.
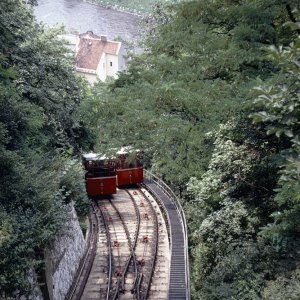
(214, 101)
(40, 130)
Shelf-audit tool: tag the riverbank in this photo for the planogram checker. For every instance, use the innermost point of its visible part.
(140, 8)
(112, 4)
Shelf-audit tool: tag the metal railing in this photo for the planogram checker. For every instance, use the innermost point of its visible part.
(168, 191)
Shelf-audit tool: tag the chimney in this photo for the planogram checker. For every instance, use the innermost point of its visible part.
(103, 38)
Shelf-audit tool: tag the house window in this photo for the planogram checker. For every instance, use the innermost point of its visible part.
(110, 63)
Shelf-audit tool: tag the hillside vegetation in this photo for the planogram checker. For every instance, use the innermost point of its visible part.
(214, 101)
(40, 130)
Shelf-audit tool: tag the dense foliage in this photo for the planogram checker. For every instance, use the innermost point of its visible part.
(39, 130)
(214, 101)
(249, 197)
(193, 75)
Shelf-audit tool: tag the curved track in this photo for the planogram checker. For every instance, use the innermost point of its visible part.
(131, 258)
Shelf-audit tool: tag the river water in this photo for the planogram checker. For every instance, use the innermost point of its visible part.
(80, 16)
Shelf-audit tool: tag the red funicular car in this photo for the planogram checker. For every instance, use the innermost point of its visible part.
(129, 167)
(100, 176)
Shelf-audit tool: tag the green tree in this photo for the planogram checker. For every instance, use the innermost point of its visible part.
(40, 129)
(278, 108)
(195, 73)
(186, 100)
(245, 244)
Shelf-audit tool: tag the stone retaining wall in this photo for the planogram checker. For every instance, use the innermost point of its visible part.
(63, 259)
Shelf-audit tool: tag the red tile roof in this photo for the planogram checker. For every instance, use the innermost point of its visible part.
(91, 48)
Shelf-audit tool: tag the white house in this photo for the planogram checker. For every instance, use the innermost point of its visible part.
(98, 58)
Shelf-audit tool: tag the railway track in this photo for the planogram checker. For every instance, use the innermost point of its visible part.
(131, 257)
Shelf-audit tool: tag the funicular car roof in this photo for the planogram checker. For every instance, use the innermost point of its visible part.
(95, 156)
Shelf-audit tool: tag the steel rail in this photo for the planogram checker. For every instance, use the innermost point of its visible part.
(148, 284)
(139, 275)
(137, 212)
(109, 254)
(132, 254)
